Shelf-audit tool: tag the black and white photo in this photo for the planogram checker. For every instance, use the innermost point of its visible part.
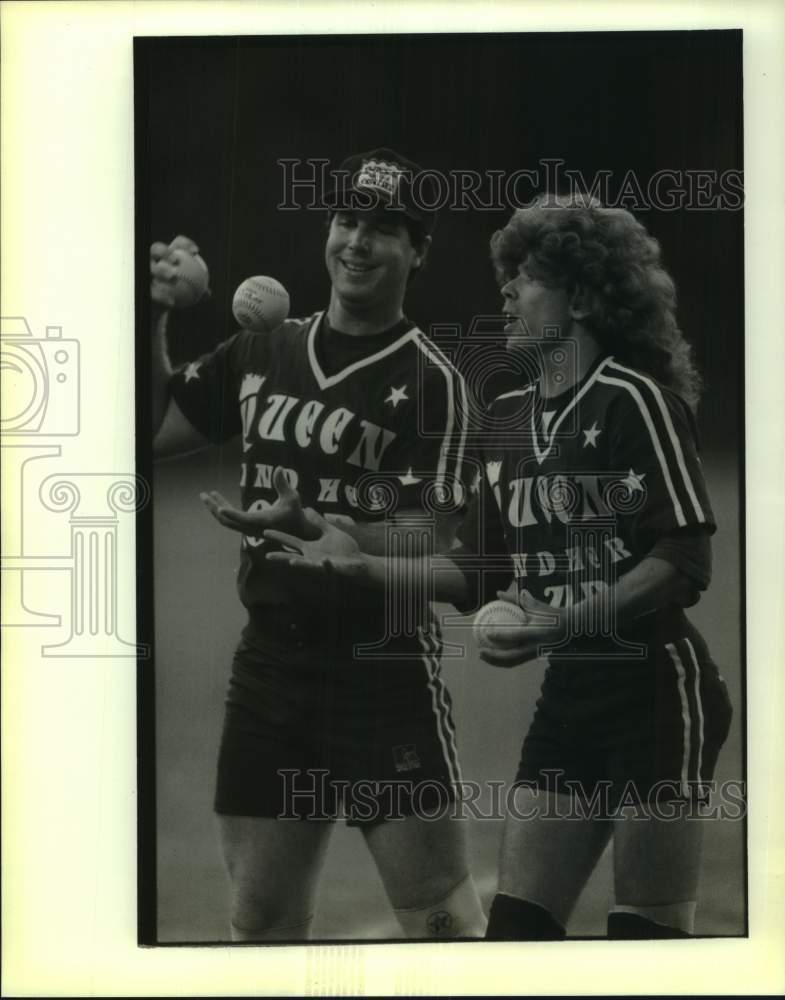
(479, 295)
(392, 465)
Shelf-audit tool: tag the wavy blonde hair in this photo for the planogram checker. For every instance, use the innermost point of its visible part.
(574, 241)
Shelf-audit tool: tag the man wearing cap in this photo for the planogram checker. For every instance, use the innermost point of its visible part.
(352, 413)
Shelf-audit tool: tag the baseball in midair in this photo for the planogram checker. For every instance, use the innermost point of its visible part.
(260, 304)
(493, 622)
(191, 278)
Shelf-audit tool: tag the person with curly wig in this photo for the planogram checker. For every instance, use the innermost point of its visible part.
(632, 299)
(593, 518)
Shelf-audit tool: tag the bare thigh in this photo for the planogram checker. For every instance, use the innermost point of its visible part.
(274, 867)
(546, 859)
(420, 861)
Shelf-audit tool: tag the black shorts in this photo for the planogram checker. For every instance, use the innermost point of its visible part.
(641, 731)
(366, 742)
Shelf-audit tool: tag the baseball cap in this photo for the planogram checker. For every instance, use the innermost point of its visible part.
(384, 178)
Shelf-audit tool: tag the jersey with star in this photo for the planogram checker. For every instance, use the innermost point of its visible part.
(577, 489)
(381, 432)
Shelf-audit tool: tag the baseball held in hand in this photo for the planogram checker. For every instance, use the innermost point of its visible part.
(260, 304)
(190, 278)
(493, 624)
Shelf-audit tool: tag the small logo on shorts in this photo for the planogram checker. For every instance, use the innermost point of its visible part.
(406, 758)
(439, 923)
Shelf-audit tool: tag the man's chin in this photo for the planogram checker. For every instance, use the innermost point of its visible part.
(356, 298)
(354, 294)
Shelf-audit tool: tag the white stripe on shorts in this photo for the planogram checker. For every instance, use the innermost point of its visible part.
(440, 710)
(685, 714)
(692, 730)
(698, 707)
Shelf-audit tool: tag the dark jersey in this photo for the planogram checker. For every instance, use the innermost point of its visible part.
(578, 488)
(361, 426)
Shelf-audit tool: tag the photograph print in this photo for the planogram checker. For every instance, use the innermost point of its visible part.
(440, 369)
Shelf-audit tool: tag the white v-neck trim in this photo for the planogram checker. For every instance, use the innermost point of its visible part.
(326, 381)
(548, 436)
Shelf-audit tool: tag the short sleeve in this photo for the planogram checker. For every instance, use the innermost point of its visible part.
(689, 551)
(206, 391)
(654, 455)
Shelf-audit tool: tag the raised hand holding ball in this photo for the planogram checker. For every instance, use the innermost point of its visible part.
(260, 304)
(494, 621)
(180, 277)
(191, 278)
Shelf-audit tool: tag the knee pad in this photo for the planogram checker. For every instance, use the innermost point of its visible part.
(513, 919)
(457, 915)
(644, 923)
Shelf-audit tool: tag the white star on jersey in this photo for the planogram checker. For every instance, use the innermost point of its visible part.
(396, 396)
(591, 435)
(634, 481)
(409, 479)
(192, 371)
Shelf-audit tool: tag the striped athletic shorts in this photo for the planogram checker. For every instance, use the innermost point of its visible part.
(366, 742)
(639, 731)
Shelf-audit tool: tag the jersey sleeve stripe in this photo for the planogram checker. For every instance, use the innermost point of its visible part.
(678, 452)
(659, 449)
(463, 414)
(681, 520)
(455, 424)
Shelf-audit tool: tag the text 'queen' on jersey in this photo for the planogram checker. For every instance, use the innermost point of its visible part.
(380, 432)
(577, 489)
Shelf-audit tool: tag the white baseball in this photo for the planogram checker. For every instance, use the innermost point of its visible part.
(260, 304)
(191, 278)
(493, 622)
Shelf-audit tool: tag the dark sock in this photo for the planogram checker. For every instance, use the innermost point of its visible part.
(631, 926)
(513, 919)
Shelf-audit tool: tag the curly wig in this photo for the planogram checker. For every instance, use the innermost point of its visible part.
(573, 241)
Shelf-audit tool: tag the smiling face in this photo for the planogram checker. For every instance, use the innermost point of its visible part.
(369, 256)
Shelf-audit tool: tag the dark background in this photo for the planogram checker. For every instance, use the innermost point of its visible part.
(212, 118)
(221, 113)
